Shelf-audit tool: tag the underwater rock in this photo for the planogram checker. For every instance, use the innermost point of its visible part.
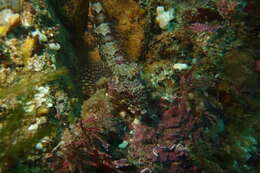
(159, 77)
(99, 104)
(27, 64)
(153, 97)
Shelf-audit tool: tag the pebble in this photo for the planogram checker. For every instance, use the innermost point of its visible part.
(123, 145)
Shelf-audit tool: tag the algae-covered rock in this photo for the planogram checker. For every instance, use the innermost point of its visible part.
(159, 76)
(32, 81)
(189, 102)
(99, 104)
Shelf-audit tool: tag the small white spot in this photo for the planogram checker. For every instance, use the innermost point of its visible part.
(54, 46)
(180, 66)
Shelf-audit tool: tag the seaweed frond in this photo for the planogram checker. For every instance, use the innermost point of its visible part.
(28, 81)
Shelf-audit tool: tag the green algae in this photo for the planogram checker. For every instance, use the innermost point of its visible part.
(28, 82)
(15, 144)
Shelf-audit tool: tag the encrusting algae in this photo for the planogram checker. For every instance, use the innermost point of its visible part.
(29, 47)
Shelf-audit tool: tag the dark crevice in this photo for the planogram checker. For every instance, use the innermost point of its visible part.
(72, 16)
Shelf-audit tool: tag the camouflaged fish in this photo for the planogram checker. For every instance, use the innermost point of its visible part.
(125, 75)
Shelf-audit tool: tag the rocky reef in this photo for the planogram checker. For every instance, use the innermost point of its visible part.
(147, 86)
